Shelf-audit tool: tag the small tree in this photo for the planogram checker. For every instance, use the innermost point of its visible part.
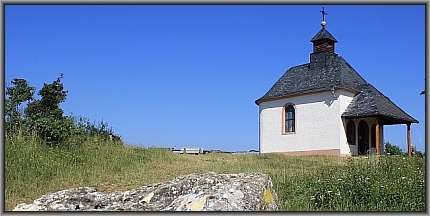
(17, 94)
(49, 104)
(45, 115)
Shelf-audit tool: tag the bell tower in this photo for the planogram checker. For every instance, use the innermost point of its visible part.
(323, 45)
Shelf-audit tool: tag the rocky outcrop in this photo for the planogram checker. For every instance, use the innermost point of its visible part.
(195, 192)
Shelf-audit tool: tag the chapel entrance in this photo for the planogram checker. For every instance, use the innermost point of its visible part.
(363, 138)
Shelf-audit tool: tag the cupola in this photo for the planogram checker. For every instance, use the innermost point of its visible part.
(323, 53)
(323, 41)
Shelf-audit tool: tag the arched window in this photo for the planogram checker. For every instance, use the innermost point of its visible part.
(290, 117)
(350, 132)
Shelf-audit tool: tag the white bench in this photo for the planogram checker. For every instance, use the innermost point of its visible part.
(191, 151)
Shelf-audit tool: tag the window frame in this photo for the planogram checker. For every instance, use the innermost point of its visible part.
(284, 119)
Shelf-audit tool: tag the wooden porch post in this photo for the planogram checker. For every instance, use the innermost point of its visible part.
(409, 139)
(377, 137)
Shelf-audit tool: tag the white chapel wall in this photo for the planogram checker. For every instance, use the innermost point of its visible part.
(318, 123)
(345, 99)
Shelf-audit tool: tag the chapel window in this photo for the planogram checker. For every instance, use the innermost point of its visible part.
(290, 119)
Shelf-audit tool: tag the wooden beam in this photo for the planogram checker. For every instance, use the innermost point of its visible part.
(377, 137)
(409, 139)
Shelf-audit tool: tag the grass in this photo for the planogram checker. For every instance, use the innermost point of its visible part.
(302, 183)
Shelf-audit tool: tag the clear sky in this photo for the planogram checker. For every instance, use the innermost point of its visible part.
(188, 75)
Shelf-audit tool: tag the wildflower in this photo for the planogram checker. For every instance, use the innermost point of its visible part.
(312, 197)
(339, 179)
(329, 192)
(403, 177)
(322, 196)
(338, 193)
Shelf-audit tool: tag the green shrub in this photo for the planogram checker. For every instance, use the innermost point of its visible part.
(393, 149)
(54, 131)
(416, 152)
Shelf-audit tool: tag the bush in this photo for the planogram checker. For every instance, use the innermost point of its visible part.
(416, 152)
(54, 131)
(393, 150)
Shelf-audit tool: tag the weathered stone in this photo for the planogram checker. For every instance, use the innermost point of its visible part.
(195, 192)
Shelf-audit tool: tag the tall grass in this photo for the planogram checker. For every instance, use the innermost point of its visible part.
(386, 183)
(303, 183)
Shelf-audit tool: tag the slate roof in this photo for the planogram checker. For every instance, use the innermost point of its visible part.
(371, 102)
(323, 34)
(328, 70)
(303, 79)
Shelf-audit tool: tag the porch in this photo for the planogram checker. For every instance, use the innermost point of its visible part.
(365, 135)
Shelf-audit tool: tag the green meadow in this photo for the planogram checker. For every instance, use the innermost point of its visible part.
(302, 183)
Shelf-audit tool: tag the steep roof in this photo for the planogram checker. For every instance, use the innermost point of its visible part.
(326, 71)
(323, 34)
(304, 79)
(371, 102)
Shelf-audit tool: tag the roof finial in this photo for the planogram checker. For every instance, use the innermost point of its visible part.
(323, 23)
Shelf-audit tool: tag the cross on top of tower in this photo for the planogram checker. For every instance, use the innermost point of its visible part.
(323, 13)
(323, 23)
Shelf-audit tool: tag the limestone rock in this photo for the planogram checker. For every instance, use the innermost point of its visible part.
(195, 192)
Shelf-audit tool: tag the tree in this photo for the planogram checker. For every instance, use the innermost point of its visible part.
(45, 115)
(45, 118)
(49, 104)
(17, 94)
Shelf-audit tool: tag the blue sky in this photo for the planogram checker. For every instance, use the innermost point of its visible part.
(188, 75)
